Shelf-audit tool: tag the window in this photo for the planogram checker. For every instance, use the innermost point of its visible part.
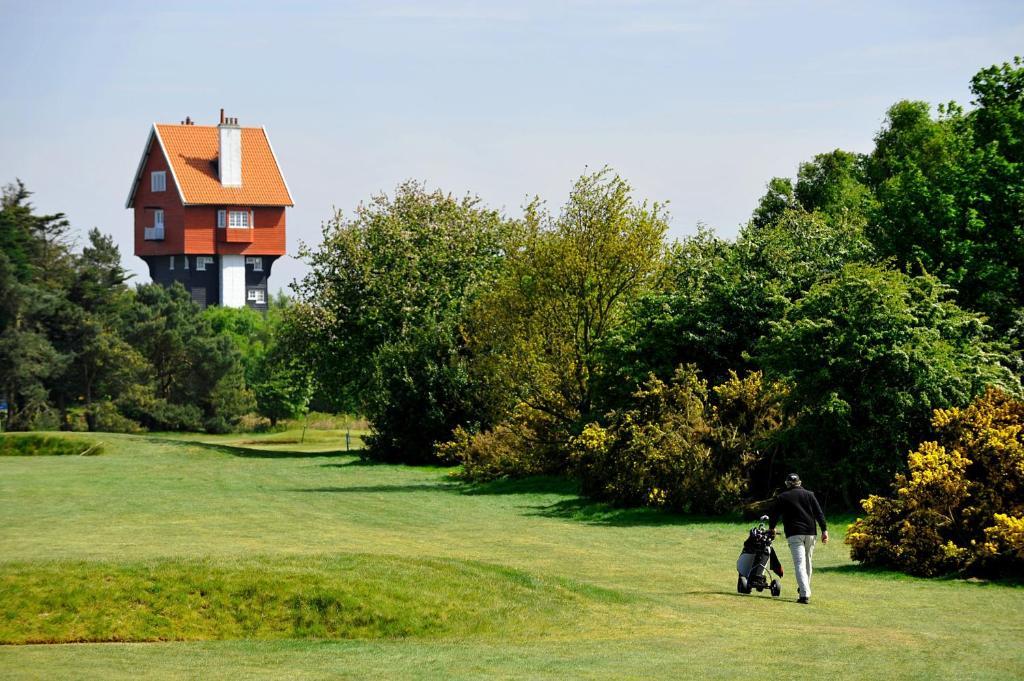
(221, 218)
(185, 257)
(238, 218)
(171, 267)
(257, 264)
(158, 218)
(258, 296)
(202, 261)
(158, 181)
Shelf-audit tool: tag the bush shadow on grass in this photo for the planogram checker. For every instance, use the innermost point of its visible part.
(875, 571)
(537, 484)
(598, 513)
(358, 461)
(250, 453)
(374, 489)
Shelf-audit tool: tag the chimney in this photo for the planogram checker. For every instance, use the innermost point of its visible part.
(230, 161)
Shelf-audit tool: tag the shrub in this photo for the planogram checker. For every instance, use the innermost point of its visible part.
(961, 506)
(108, 419)
(679, 445)
(45, 445)
(255, 423)
(514, 448)
(155, 413)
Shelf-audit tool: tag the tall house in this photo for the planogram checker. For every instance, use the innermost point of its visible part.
(209, 205)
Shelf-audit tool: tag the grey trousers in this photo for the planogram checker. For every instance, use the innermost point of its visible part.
(802, 548)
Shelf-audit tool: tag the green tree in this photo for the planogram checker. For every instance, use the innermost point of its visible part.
(565, 287)
(720, 297)
(834, 184)
(950, 192)
(282, 385)
(198, 379)
(776, 201)
(869, 354)
(378, 316)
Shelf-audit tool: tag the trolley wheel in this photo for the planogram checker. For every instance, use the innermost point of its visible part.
(776, 588)
(741, 585)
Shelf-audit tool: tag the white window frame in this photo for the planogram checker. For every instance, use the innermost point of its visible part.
(185, 257)
(239, 219)
(171, 267)
(256, 262)
(158, 181)
(158, 218)
(257, 295)
(221, 219)
(202, 261)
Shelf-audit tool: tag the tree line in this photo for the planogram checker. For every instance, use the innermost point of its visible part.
(81, 349)
(862, 295)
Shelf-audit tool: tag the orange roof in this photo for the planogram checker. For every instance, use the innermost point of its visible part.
(192, 152)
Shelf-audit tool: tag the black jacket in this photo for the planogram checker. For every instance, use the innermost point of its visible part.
(799, 509)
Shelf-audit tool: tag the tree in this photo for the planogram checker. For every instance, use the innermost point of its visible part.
(198, 379)
(834, 184)
(565, 286)
(777, 200)
(950, 192)
(719, 297)
(282, 385)
(869, 354)
(390, 287)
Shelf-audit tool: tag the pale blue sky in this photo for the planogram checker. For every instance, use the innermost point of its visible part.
(696, 103)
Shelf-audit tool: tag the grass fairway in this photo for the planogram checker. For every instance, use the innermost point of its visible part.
(223, 558)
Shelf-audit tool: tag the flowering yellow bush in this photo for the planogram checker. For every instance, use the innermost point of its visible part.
(960, 506)
(680, 445)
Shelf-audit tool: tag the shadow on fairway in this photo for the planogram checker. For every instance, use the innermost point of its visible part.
(596, 513)
(375, 489)
(249, 453)
(858, 569)
(356, 462)
(734, 593)
(537, 484)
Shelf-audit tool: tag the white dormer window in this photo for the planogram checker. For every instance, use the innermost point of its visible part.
(238, 218)
(158, 181)
(257, 264)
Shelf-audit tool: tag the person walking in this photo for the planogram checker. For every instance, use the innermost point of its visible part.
(799, 510)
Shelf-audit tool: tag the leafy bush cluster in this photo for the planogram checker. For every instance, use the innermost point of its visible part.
(960, 507)
(680, 445)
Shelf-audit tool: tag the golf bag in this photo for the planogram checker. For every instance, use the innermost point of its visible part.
(757, 558)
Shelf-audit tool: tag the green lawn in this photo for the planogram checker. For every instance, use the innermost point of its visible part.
(238, 557)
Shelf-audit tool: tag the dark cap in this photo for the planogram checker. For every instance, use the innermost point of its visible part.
(792, 480)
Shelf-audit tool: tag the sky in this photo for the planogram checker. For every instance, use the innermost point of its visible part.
(697, 104)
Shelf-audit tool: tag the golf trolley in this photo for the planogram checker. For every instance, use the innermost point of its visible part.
(757, 558)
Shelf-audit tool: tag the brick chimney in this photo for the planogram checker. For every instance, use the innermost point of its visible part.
(230, 159)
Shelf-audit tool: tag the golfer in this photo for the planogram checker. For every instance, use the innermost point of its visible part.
(799, 509)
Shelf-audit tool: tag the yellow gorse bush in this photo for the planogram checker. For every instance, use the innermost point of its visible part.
(959, 508)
